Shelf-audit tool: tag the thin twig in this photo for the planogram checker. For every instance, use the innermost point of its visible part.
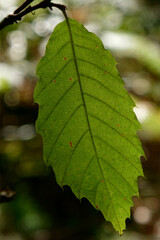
(22, 11)
(22, 6)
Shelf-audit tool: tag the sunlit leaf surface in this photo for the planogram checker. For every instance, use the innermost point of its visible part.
(87, 122)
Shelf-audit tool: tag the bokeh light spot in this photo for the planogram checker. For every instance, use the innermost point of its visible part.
(142, 215)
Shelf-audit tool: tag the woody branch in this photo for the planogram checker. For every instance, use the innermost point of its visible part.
(26, 8)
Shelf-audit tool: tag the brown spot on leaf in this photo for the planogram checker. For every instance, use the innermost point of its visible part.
(102, 181)
(106, 72)
(71, 144)
(96, 206)
(117, 125)
(70, 79)
(97, 46)
(125, 199)
(64, 58)
(54, 81)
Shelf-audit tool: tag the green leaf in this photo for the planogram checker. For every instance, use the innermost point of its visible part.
(87, 122)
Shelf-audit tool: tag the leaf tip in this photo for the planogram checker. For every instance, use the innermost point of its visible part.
(121, 232)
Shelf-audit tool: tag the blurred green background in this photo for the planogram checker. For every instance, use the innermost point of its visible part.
(32, 205)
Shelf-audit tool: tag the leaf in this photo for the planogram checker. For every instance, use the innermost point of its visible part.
(87, 122)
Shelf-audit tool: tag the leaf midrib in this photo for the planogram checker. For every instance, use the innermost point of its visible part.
(80, 85)
(85, 109)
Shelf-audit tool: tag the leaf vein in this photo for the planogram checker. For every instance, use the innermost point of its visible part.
(109, 107)
(96, 66)
(55, 106)
(90, 39)
(81, 184)
(106, 143)
(134, 190)
(59, 51)
(85, 108)
(94, 79)
(114, 130)
(62, 131)
(61, 70)
(69, 161)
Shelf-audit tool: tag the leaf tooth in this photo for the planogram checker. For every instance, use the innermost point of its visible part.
(103, 180)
